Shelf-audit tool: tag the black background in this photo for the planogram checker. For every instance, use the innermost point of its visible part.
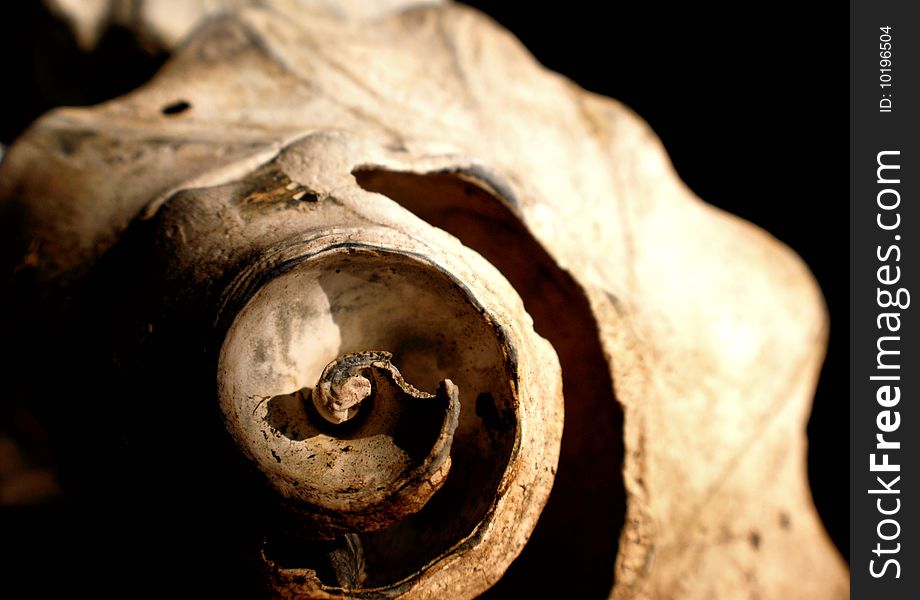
(751, 105)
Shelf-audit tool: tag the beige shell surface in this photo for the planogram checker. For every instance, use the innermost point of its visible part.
(713, 332)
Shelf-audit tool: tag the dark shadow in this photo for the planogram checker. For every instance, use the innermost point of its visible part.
(576, 538)
(50, 70)
(287, 414)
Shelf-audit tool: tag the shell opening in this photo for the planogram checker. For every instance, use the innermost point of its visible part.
(407, 474)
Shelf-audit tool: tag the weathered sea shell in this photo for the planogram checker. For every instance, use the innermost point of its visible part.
(297, 185)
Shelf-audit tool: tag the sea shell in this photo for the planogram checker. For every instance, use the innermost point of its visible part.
(297, 185)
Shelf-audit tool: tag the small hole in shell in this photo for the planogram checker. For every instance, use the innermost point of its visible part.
(180, 106)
